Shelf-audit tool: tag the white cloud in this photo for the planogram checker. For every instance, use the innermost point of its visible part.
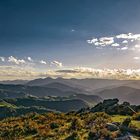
(92, 40)
(43, 62)
(106, 40)
(123, 36)
(18, 72)
(136, 58)
(103, 41)
(30, 59)
(85, 72)
(15, 60)
(129, 36)
(115, 45)
(115, 41)
(137, 46)
(2, 59)
(124, 48)
(125, 42)
(97, 44)
(56, 63)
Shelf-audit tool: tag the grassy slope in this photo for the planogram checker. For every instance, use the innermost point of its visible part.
(6, 104)
(35, 126)
(121, 118)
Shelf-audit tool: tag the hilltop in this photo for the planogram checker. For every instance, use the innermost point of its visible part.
(85, 124)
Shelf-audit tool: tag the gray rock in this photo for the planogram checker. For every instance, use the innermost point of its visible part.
(112, 127)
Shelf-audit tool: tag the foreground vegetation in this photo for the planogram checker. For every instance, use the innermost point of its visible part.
(108, 120)
(67, 126)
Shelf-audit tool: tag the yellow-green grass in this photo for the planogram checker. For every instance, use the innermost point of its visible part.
(121, 118)
(118, 118)
(136, 123)
(5, 104)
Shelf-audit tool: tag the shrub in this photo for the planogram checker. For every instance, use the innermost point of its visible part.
(54, 125)
(73, 136)
(126, 122)
(136, 116)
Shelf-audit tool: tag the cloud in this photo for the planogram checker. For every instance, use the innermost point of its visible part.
(92, 40)
(122, 36)
(106, 40)
(2, 59)
(43, 62)
(29, 63)
(125, 42)
(56, 63)
(18, 72)
(115, 41)
(136, 58)
(86, 72)
(137, 46)
(103, 41)
(124, 48)
(115, 45)
(130, 36)
(30, 59)
(15, 60)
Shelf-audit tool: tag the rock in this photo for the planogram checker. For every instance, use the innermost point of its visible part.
(112, 127)
(127, 137)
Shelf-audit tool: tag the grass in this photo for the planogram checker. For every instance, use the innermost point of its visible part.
(136, 123)
(118, 118)
(5, 104)
(121, 118)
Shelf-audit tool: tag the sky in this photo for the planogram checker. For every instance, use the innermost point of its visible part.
(70, 39)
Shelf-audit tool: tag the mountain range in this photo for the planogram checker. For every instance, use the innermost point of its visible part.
(124, 90)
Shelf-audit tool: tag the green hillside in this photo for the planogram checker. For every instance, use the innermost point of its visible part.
(107, 120)
(6, 104)
(68, 126)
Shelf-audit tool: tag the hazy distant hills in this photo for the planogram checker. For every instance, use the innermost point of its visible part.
(124, 90)
(90, 99)
(123, 93)
(63, 87)
(63, 95)
(88, 84)
(14, 82)
(53, 96)
(133, 84)
(59, 90)
(38, 91)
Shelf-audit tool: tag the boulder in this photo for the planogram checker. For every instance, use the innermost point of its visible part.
(112, 127)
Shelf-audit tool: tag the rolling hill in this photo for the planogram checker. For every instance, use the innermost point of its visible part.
(14, 91)
(21, 99)
(123, 93)
(87, 84)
